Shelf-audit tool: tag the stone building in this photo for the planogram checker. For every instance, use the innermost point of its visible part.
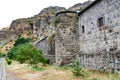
(47, 49)
(99, 33)
(66, 39)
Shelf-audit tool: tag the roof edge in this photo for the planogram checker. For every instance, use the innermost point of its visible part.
(89, 6)
(41, 40)
(62, 12)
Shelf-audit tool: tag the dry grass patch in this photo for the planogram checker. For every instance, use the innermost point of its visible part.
(25, 72)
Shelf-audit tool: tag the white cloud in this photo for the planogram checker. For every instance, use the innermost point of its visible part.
(13, 9)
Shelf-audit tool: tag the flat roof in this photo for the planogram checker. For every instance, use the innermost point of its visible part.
(89, 6)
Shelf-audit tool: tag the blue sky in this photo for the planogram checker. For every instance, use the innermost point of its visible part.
(14, 9)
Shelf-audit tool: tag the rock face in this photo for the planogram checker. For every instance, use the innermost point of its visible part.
(80, 6)
(42, 22)
(57, 37)
(43, 30)
(21, 25)
(6, 36)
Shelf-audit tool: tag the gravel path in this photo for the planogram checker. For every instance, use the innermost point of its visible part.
(2, 69)
(10, 75)
(6, 74)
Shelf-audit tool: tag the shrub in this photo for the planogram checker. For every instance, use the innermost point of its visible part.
(1, 54)
(77, 70)
(27, 53)
(11, 54)
(22, 40)
(8, 61)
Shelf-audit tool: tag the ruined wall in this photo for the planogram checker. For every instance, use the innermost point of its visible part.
(100, 46)
(47, 49)
(43, 45)
(66, 39)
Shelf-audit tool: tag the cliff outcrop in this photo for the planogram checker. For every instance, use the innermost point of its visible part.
(57, 37)
(21, 25)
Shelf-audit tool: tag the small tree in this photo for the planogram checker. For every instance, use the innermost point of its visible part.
(27, 53)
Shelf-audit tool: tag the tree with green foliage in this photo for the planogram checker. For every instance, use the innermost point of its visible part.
(27, 53)
(21, 40)
(11, 54)
(8, 61)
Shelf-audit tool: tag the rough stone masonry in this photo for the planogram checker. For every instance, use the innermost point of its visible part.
(99, 33)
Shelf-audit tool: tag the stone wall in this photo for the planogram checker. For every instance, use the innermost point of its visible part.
(66, 39)
(47, 49)
(100, 45)
(42, 45)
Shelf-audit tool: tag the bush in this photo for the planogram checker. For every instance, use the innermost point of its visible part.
(77, 70)
(8, 61)
(11, 54)
(27, 53)
(22, 40)
(0, 54)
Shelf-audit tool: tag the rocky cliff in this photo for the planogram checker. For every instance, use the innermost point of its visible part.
(56, 36)
(80, 6)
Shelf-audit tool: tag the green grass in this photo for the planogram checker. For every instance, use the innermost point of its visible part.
(63, 67)
(95, 79)
(39, 69)
(117, 77)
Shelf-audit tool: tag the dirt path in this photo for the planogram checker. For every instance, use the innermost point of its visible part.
(10, 75)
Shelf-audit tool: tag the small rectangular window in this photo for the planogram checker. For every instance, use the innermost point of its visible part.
(100, 22)
(83, 29)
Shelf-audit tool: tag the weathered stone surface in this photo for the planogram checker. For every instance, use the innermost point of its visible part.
(43, 30)
(80, 6)
(6, 36)
(42, 25)
(99, 46)
(66, 39)
(21, 25)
